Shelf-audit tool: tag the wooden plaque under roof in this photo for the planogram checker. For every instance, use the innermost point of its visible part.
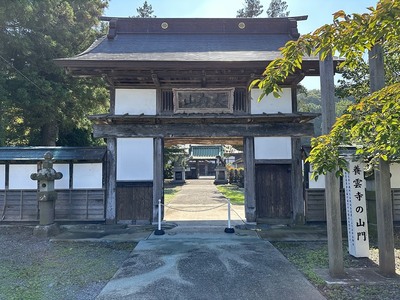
(203, 100)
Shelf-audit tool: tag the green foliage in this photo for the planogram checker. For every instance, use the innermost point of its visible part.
(39, 101)
(172, 155)
(277, 9)
(373, 121)
(236, 176)
(145, 11)
(349, 36)
(252, 9)
(310, 101)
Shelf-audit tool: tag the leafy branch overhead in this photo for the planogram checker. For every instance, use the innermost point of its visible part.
(372, 125)
(367, 122)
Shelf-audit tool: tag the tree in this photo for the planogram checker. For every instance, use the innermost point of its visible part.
(40, 103)
(145, 11)
(355, 82)
(349, 36)
(277, 9)
(252, 9)
(310, 101)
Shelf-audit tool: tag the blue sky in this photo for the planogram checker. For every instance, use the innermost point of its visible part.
(319, 12)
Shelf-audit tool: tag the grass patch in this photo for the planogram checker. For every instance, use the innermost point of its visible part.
(233, 192)
(306, 258)
(170, 193)
(62, 271)
(309, 256)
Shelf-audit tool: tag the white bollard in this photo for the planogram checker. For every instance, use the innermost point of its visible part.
(229, 229)
(159, 231)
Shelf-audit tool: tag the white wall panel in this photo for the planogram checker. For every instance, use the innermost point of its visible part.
(319, 184)
(395, 176)
(135, 101)
(272, 148)
(135, 159)
(270, 104)
(2, 177)
(62, 183)
(87, 176)
(20, 177)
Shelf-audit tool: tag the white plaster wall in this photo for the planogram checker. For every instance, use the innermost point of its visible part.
(395, 178)
(272, 148)
(270, 104)
(135, 159)
(135, 101)
(87, 176)
(319, 184)
(63, 183)
(2, 177)
(20, 177)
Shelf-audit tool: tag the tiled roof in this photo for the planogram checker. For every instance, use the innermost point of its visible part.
(205, 152)
(191, 40)
(185, 47)
(59, 153)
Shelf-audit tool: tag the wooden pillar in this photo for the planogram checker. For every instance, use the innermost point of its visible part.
(384, 210)
(332, 193)
(249, 179)
(158, 175)
(297, 184)
(111, 183)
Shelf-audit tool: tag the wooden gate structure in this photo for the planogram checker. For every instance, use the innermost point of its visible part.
(186, 81)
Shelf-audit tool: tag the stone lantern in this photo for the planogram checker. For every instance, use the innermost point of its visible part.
(220, 171)
(46, 195)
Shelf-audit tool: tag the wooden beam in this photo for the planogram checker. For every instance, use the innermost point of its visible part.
(384, 209)
(202, 130)
(249, 179)
(333, 218)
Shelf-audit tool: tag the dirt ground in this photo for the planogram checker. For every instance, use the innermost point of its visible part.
(35, 268)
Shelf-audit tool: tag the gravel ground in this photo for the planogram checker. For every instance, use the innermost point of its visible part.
(34, 268)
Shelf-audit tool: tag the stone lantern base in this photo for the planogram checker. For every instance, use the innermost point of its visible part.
(46, 230)
(220, 175)
(179, 174)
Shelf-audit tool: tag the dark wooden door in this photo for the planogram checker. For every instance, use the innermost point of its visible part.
(134, 201)
(273, 191)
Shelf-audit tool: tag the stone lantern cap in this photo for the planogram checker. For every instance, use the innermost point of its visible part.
(47, 172)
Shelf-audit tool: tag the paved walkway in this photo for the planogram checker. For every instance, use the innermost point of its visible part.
(197, 260)
(199, 200)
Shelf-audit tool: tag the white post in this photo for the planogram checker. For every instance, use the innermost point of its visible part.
(159, 231)
(229, 229)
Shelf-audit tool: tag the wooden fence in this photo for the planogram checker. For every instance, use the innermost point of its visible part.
(316, 210)
(71, 205)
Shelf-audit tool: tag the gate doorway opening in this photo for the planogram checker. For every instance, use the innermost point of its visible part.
(194, 196)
